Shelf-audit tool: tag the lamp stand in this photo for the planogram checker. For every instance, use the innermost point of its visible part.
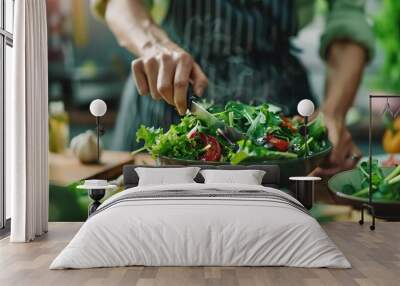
(96, 195)
(305, 130)
(98, 138)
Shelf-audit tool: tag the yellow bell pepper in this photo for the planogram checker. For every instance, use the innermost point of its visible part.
(391, 138)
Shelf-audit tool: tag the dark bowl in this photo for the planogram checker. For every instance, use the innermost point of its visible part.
(389, 210)
(288, 167)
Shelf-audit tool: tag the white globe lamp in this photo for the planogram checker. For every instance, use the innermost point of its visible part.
(305, 108)
(98, 108)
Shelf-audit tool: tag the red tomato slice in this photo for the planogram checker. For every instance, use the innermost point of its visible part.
(214, 152)
(279, 144)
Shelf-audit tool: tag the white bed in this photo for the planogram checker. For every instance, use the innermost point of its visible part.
(185, 230)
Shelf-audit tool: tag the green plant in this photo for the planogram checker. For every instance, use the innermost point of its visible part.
(387, 31)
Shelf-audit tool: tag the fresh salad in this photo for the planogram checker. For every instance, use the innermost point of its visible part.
(383, 188)
(268, 135)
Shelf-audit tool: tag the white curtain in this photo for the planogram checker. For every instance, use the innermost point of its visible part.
(27, 124)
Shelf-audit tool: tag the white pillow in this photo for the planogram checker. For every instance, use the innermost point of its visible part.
(164, 176)
(248, 177)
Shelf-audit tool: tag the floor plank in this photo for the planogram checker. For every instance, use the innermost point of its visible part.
(375, 257)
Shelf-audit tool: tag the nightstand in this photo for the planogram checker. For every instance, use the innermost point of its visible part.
(304, 190)
(96, 190)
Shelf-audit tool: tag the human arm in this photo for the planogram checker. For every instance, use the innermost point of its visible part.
(347, 44)
(162, 68)
(345, 65)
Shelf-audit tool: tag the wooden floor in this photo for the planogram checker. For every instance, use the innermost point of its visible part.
(375, 257)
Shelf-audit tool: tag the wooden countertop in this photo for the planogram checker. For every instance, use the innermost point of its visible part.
(65, 168)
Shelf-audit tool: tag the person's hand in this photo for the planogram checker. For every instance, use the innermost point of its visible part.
(166, 72)
(345, 154)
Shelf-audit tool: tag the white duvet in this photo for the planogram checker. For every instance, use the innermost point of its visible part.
(200, 231)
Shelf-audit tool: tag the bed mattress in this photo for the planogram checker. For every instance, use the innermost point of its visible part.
(201, 225)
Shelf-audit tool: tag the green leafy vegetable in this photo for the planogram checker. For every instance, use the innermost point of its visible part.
(268, 136)
(383, 188)
(249, 151)
(348, 189)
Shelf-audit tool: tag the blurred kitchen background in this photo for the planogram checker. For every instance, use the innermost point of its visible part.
(85, 63)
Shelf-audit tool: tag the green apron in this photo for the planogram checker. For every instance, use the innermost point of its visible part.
(244, 48)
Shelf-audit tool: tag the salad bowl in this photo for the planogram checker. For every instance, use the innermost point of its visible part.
(288, 167)
(384, 209)
(263, 135)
